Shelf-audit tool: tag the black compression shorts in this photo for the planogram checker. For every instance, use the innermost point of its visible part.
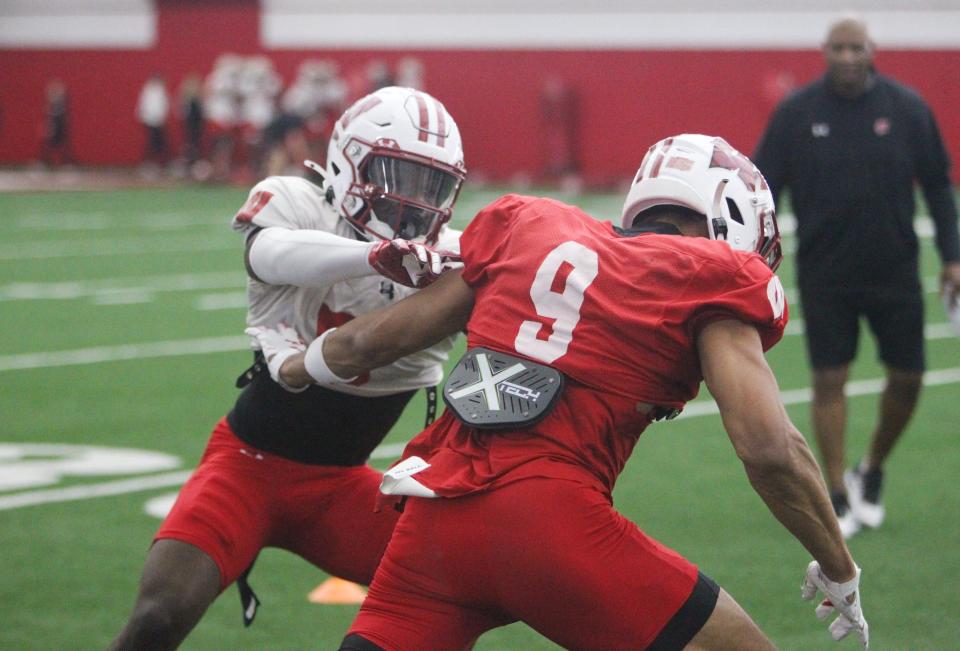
(832, 323)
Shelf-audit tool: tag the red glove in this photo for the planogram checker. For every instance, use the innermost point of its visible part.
(410, 263)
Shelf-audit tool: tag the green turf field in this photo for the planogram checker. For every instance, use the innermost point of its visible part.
(122, 319)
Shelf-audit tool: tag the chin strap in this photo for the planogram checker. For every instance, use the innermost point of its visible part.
(719, 228)
(248, 598)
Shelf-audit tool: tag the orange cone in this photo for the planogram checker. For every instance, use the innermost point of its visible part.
(337, 591)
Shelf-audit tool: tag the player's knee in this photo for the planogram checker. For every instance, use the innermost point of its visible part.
(163, 621)
(906, 382)
(354, 642)
(828, 382)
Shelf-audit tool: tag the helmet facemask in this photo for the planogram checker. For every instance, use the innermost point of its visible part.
(403, 196)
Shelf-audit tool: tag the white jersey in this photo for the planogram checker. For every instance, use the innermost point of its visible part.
(297, 203)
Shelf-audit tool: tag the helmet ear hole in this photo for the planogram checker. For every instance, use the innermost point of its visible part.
(335, 168)
(734, 211)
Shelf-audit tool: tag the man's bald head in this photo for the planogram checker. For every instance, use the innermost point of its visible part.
(849, 54)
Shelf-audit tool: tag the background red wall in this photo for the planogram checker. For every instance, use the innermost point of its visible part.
(627, 99)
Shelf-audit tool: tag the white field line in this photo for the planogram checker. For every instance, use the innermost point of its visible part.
(132, 485)
(116, 246)
(221, 301)
(123, 352)
(393, 450)
(87, 491)
(853, 388)
(942, 330)
(74, 289)
(101, 220)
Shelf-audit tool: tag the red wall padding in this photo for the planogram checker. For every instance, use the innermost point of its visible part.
(627, 99)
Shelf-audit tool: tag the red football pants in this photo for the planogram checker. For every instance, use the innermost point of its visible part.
(240, 500)
(551, 553)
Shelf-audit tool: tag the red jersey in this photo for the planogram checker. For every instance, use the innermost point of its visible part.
(617, 314)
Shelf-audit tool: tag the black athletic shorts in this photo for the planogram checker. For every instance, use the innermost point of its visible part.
(832, 324)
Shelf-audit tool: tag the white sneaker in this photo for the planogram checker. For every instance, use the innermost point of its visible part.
(849, 524)
(863, 490)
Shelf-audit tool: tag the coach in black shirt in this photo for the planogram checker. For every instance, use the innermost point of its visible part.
(849, 147)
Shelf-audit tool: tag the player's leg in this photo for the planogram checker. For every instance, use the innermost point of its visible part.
(426, 591)
(329, 512)
(178, 584)
(897, 405)
(334, 522)
(832, 334)
(563, 561)
(829, 417)
(897, 323)
(212, 534)
(729, 627)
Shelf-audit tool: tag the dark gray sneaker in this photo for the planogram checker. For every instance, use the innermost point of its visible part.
(849, 525)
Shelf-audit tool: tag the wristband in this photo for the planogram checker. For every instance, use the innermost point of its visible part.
(316, 365)
(846, 587)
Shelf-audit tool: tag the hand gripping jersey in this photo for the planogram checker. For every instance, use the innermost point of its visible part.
(296, 203)
(617, 314)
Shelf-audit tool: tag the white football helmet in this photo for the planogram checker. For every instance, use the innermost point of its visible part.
(708, 176)
(395, 165)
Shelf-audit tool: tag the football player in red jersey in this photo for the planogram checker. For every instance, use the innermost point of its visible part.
(579, 335)
(286, 467)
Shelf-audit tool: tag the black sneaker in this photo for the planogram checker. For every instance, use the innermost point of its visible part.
(849, 525)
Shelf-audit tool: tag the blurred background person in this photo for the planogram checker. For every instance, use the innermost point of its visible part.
(379, 75)
(153, 108)
(223, 110)
(259, 88)
(316, 97)
(410, 73)
(366, 79)
(558, 109)
(55, 145)
(849, 147)
(192, 118)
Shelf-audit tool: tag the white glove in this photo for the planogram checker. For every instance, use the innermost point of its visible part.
(410, 263)
(277, 346)
(835, 600)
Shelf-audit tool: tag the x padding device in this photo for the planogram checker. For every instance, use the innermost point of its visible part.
(490, 389)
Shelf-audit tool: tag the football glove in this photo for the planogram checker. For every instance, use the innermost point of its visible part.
(836, 600)
(410, 263)
(277, 346)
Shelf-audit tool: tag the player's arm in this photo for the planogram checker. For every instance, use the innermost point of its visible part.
(777, 459)
(385, 335)
(781, 468)
(312, 258)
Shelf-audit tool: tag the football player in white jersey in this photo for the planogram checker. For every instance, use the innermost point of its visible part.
(286, 467)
